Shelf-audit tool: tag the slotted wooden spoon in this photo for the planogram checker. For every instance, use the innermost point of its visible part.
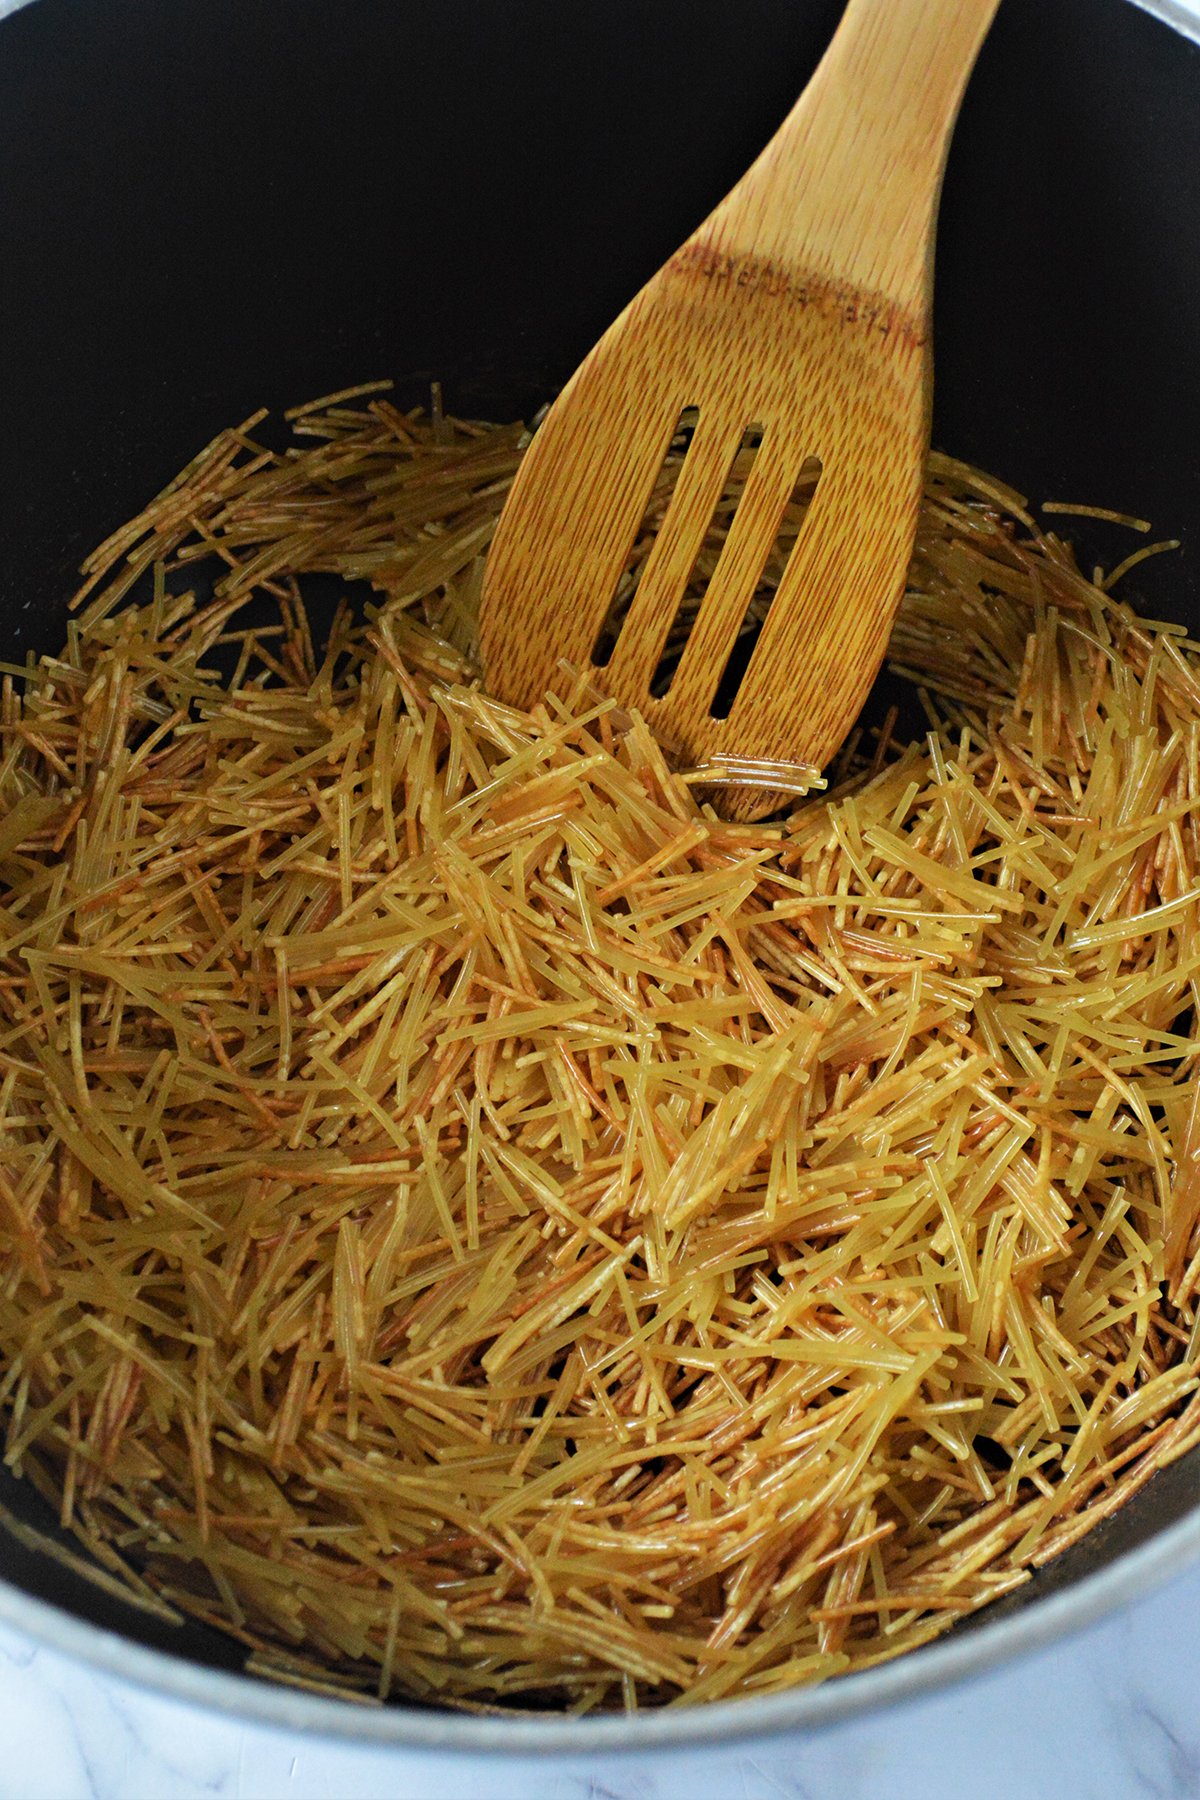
(801, 309)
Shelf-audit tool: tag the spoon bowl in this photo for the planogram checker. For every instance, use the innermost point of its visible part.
(796, 319)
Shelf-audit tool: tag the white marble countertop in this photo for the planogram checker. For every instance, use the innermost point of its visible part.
(1112, 1714)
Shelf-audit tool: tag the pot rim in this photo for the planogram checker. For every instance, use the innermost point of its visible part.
(931, 1669)
(1133, 1575)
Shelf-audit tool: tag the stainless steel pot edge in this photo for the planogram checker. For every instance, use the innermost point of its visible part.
(1136, 1574)
(1181, 17)
(922, 1672)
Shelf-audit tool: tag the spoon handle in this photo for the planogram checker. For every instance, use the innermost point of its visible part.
(849, 184)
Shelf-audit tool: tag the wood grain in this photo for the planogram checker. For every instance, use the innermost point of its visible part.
(802, 306)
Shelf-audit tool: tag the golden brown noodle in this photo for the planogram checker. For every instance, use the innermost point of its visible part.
(477, 1226)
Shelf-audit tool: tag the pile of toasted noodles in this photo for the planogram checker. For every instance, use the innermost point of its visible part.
(476, 1226)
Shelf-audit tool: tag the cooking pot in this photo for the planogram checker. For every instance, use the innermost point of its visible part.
(208, 205)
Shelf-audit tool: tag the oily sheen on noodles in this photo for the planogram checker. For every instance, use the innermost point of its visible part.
(475, 1225)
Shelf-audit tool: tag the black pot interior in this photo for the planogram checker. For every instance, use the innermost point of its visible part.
(208, 205)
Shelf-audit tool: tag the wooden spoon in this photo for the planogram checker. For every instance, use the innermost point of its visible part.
(799, 309)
